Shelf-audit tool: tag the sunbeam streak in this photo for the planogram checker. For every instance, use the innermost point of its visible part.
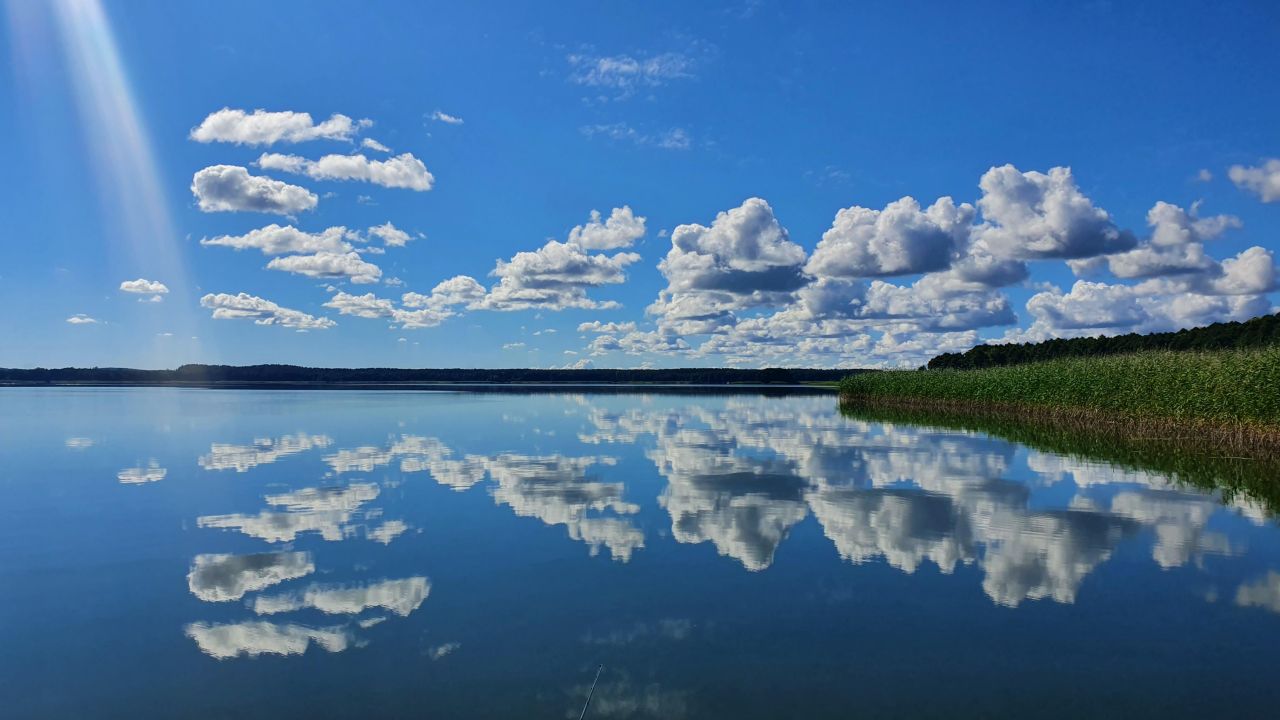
(128, 180)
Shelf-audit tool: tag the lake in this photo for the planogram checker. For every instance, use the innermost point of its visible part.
(244, 553)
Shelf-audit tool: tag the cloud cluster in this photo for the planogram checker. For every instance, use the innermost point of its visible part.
(261, 311)
(740, 291)
(266, 128)
(415, 310)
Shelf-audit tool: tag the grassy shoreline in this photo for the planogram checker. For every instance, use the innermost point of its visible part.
(1226, 393)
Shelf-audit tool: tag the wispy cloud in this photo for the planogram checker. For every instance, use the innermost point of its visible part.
(672, 139)
(444, 117)
(626, 74)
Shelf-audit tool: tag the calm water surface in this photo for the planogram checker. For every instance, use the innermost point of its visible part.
(197, 553)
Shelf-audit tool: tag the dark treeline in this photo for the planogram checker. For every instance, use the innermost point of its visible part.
(223, 374)
(1257, 332)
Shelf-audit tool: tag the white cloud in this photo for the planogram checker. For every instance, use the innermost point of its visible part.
(621, 230)
(1092, 308)
(1088, 305)
(391, 235)
(432, 311)
(900, 240)
(349, 266)
(144, 287)
(230, 188)
(371, 144)
(265, 128)
(556, 276)
(81, 319)
(276, 240)
(401, 171)
(1037, 216)
(595, 326)
(261, 312)
(446, 118)
(1263, 181)
(364, 306)
(457, 290)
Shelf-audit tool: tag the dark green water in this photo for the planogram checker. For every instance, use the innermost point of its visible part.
(196, 553)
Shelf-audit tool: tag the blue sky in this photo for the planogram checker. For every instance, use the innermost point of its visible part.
(767, 176)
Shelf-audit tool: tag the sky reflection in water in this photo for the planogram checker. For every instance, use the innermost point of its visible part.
(478, 555)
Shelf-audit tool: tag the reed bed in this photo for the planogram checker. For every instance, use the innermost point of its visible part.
(1234, 391)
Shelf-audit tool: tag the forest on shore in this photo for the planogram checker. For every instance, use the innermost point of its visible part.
(294, 374)
(1258, 332)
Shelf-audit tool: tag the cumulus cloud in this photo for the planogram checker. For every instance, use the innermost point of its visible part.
(81, 319)
(276, 240)
(1176, 246)
(1262, 180)
(744, 259)
(261, 311)
(1034, 216)
(401, 171)
(446, 118)
(559, 274)
(899, 240)
(346, 266)
(621, 230)
(144, 287)
(230, 188)
(261, 127)
(371, 144)
(556, 276)
(595, 326)
(1092, 308)
(1088, 305)
(390, 235)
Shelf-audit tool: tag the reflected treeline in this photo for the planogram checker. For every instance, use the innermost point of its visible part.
(1237, 479)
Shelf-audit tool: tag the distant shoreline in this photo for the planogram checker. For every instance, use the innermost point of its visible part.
(446, 386)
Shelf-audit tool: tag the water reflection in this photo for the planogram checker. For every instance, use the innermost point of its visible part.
(221, 578)
(151, 472)
(255, 638)
(738, 475)
(330, 512)
(263, 451)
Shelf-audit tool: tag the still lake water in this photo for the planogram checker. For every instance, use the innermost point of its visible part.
(205, 553)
